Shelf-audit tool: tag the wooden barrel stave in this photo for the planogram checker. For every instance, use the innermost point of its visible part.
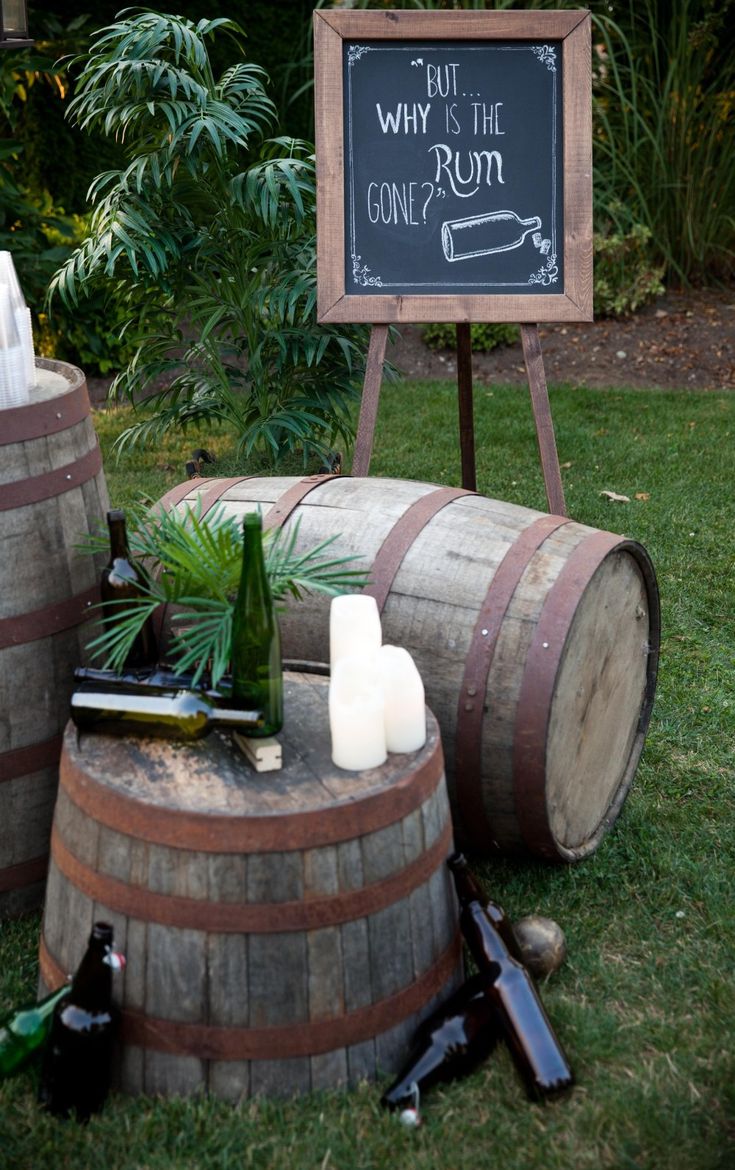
(52, 495)
(531, 768)
(319, 957)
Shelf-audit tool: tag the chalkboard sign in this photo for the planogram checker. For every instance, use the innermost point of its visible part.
(454, 166)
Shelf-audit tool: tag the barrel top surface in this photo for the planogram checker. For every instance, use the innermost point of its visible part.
(247, 493)
(53, 379)
(165, 789)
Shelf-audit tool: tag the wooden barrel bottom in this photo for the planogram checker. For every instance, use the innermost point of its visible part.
(28, 783)
(276, 1061)
(284, 932)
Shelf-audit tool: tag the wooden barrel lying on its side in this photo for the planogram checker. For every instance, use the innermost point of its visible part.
(537, 639)
(284, 931)
(52, 495)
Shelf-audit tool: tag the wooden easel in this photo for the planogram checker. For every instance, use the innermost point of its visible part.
(539, 404)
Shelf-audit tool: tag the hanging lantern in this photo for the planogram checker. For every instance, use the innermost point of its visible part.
(14, 24)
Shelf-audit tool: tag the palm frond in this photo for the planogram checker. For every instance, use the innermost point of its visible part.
(193, 562)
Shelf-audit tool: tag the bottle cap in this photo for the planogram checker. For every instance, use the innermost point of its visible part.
(456, 860)
(115, 514)
(102, 932)
(410, 1116)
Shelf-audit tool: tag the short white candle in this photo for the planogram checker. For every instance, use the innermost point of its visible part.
(354, 627)
(356, 715)
(405, 704)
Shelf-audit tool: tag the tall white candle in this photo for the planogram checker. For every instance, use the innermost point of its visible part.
(403, 694)
(356, 715)
(354, 627)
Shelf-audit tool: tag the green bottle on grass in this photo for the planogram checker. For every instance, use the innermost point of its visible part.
(24, 1032)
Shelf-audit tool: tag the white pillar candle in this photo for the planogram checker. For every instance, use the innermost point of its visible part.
(354, 627)
(356, 715)
(403, 694)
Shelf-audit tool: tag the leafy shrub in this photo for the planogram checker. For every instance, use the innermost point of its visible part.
(626, 275)
(218, 229)
(104, 336)
(484, 336)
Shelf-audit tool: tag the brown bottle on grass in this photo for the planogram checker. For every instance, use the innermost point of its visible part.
(454, 1040)
(75, 1076)
(471, 888)
(525, 1026)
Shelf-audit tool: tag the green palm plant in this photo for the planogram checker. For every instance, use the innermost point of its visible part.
(217, 223)
(192, 564)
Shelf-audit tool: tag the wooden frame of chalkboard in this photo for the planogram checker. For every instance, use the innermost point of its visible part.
(454, 166)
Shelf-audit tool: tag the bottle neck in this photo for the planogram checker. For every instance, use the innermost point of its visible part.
(91, 986)
(253, 575)
(476, 924)
(253, 548)
(467, 887)
(118, 539)
(233, 717)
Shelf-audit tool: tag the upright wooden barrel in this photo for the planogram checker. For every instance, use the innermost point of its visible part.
(284, 931)
(537, 639)
(52, 494)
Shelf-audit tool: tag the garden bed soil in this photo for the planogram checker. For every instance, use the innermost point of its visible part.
(684, 340)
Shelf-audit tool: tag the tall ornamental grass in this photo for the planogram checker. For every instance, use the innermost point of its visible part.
(664, 100)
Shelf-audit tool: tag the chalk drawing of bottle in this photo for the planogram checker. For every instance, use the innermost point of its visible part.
(481, 235)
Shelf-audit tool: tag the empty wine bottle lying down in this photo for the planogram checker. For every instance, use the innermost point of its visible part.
(500, 1001)
(164, 711)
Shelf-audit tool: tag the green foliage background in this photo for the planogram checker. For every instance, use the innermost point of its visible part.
(663, 91)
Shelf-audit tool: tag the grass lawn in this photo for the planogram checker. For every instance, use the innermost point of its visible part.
(646, 1002)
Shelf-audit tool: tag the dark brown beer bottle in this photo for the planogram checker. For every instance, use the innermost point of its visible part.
(525, 1026)
(471, 888)
(75, 1076)
(450, 1044)
(120, 582)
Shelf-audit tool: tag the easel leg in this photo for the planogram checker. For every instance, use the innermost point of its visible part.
(466, 415)
(370, 397)
(542, 418)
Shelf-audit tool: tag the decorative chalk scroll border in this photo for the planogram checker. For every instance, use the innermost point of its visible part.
(362, 273)
(351, 279)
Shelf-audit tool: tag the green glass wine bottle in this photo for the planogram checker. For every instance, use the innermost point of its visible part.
(24, 1032)
(163, 712)
(154, 679)
(257, 673)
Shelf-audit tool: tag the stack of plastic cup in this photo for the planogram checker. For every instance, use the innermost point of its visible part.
(22, 316)
(13, 380)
